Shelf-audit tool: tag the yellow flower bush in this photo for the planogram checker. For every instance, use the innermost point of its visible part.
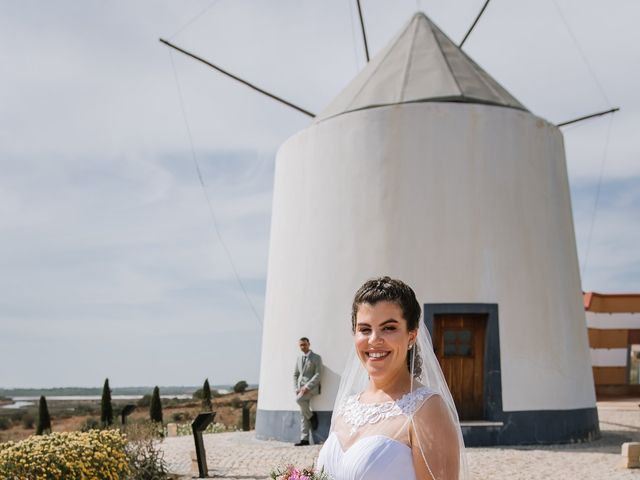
(96, 454)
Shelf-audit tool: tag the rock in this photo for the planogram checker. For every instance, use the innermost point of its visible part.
(631, 454)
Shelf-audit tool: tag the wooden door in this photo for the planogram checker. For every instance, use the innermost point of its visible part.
(459, 345)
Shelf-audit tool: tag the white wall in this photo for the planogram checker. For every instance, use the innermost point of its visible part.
(613, 320)
(609, 357)
(466, 203)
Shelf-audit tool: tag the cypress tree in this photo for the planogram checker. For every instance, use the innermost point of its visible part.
(44, 420)
(106, 409)
(206, 397)
(155, 410)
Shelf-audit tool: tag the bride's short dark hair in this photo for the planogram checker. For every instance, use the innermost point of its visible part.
(387, 289)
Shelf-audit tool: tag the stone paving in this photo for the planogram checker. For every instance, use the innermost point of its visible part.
(240, 456)
(237, 455)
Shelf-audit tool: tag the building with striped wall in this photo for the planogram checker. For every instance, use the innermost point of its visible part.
(613, 321)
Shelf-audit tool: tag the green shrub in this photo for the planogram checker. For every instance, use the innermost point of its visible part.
(140, 429)
(236, 402)
(240, 387)
(145, 401)
(65, 414)
(146, 461)
(68, 455)
(178, 416)
(90, 423)
(86, 408)
(185, 428)
(28, 420)
(172, 402)
(18, 415)
(5, 423)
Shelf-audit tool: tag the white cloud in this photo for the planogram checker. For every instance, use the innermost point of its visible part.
(105, 233)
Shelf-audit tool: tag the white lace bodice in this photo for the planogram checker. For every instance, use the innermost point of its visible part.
(370, 441)
(357, 414)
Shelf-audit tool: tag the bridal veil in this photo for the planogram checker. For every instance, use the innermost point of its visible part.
(425, 418)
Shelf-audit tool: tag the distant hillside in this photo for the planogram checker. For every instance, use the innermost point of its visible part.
(72, 391)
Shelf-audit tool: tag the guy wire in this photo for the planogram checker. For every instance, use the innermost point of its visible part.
(206, 195)
(597, 199)
(190, 22)
(581, 52)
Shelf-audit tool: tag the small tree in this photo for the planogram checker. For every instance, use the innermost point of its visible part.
(240, 387)
(155, 410)
(106, 409)
(5, 423)
(197, 395)
(28, 420)
(44, 420)
(206, 397)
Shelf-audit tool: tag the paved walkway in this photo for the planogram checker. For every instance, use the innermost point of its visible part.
(237, 455)
(240, 456)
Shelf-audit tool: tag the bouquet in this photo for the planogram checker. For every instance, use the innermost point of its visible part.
(292, 473)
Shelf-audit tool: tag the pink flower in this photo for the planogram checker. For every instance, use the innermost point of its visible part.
(292, 473)
(297, 475)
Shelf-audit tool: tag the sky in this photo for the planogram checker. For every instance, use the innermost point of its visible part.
(110, 262)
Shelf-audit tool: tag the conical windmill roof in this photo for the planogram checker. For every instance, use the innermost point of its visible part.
(420, 64)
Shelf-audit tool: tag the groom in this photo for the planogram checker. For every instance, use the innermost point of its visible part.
(306, 382)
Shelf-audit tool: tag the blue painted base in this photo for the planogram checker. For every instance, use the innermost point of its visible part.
(285, 426)
(519, 428)
(540, 427)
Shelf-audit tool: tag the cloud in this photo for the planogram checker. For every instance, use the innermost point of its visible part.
(109, 256)
(608, 233)
(126, 245)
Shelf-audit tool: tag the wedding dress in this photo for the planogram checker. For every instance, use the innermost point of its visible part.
(379, 441)
(414, 437)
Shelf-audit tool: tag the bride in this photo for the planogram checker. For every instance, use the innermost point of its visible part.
(394, 418)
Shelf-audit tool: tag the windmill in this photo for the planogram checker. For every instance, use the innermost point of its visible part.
(426, 169)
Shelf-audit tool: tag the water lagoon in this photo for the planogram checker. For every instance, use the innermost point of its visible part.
(21, 402)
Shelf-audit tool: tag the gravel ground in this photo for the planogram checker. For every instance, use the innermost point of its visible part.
(240, 456)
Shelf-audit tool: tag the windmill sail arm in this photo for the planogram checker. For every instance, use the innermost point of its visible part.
(586, 117)
(364, 32)
(474, 23)
(238, 79)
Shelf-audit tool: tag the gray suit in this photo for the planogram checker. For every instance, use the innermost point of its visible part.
(307, 374)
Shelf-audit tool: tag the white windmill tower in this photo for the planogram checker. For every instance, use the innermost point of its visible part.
(424, 168)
